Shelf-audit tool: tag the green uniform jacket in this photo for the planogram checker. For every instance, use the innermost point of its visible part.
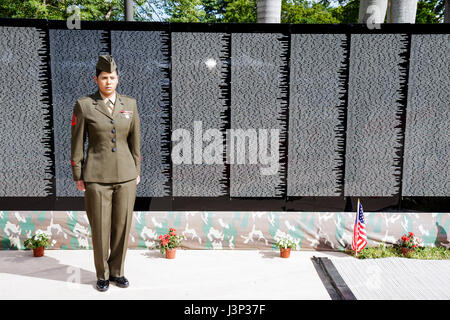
(113, 153)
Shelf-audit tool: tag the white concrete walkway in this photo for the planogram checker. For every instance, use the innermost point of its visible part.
(193, 274)
(219, 275)
(396, 278)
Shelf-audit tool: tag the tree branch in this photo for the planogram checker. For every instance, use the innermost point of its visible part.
(108, 14)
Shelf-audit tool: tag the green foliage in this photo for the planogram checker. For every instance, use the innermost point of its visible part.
(430, 11)
(430, 253)
(36, 241)
(243, 11)
(98, 10)
(184, 11)
(348, 12)
(206, 11)
(373, 253)
(215, 10)
(304, 11)
(286, 243)
(426, 253)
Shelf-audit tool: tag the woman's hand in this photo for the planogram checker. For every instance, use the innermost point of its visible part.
(138, 179)
(80, 185)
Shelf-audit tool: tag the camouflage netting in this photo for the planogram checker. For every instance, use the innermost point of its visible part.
(229, 230)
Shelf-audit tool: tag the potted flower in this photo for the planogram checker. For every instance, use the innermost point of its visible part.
(37, 242)
(408, 242)
(169, 243)
(285, 246)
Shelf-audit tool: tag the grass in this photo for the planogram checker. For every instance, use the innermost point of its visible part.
(427, 253)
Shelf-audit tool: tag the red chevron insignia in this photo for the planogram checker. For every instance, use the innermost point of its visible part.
(74, 119)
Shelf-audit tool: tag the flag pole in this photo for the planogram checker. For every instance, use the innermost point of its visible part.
(357, 219)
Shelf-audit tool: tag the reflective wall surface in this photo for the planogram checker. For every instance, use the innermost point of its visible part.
(237, 116)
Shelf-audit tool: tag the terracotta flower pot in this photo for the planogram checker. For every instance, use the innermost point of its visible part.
(170, 253)
(38, 252)
(285, 252)
(405, 251)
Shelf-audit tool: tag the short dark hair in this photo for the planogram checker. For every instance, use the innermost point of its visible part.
(98, 71)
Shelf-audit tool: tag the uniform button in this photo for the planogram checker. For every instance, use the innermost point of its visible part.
(113, 130)
(113, 149)
(113, 139)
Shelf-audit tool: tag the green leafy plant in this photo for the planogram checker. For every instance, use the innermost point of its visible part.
(430, 253)
(36, 241)
(376, 252)
(170, 240)
(424, 253)
(286, 243)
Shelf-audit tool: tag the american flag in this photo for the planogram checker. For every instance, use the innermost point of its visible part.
(359, 230)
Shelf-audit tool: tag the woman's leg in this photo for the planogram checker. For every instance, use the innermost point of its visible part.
(122, 214)
(98, 203)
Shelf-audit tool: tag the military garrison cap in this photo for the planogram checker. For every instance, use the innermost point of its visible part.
(106, 63)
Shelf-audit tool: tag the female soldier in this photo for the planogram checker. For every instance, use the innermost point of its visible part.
(111, 170)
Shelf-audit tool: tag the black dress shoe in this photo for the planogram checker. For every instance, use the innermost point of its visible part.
(120, 281)
(102, 285)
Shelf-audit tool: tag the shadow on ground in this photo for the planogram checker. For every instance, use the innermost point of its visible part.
(269, 254)
(153, 254)
(23, 263)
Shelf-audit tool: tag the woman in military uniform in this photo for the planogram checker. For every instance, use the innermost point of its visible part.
(111, 171)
